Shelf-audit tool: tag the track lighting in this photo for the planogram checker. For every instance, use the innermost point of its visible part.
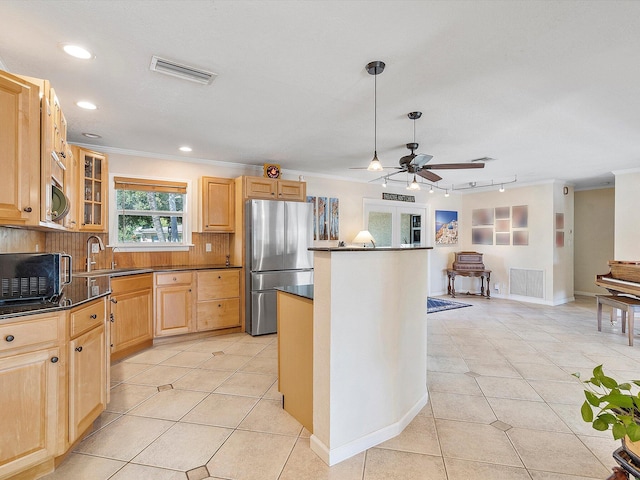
(501, 189)
(384, 183)
(431, 189)
(446, 193)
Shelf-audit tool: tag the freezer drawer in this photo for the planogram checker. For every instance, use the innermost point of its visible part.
(263, 313)
(269, 280)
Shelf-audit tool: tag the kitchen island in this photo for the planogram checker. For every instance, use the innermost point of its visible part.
(369, 346)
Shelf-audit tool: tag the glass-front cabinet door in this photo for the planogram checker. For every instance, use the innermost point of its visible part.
(93, 186)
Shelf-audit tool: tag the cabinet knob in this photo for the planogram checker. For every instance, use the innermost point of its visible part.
(93, 317)
(219, 305)
(113, 300)
(174, 279)
(219, 277)
(79, 349)
(28, 209)
(9, 338)
(54, 359)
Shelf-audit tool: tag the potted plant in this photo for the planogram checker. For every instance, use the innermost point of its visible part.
(612, 405)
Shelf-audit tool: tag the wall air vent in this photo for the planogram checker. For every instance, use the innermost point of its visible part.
(180, 70)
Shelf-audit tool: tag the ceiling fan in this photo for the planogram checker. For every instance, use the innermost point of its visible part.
(418, 163)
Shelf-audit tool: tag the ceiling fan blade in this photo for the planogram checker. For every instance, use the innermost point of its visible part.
(453, 166)
(421, 159)
(432, 177)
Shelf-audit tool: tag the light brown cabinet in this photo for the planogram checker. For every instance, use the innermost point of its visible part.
(32, 373)
(173, 303)
(268, 188)
(88, 363)
(295, 356)
(217, 299)
(20, 152)
(218, 204)
(92, 187)
(131, 315)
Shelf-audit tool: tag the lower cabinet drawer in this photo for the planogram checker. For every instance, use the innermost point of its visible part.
(85, 318)
(173, 278)
(29, 332)
(218, 314)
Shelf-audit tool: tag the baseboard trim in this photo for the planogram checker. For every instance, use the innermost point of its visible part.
(338, 454)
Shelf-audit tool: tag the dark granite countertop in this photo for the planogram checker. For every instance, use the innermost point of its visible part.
(79, 291)
(367, 249)
(304, 291)
(86, 286)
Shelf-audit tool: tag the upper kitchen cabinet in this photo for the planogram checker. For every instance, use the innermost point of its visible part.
(92, 186)
(218, 204)
(20, 152)
(269, 188)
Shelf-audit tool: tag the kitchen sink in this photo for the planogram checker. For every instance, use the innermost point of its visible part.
(112, 272)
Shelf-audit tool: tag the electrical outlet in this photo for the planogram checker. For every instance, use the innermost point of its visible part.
(95, 248)
(207, 247)
(496, 287)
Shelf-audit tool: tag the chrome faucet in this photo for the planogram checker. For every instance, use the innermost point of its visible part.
(89, 243)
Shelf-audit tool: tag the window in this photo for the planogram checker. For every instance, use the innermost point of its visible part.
(149, 214)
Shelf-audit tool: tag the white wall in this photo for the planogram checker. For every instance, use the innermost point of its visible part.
(543, 202)
(627, 216)
(594, 232)
(350, 194)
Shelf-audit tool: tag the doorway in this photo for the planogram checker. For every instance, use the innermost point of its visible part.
(396, 224)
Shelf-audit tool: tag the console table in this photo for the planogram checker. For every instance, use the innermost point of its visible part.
(451, 274)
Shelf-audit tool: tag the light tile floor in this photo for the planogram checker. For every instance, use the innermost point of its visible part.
(503, 405)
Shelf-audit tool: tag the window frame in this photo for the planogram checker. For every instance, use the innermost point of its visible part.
(150, 246)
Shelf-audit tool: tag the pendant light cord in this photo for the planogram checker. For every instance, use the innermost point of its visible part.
(375, 115)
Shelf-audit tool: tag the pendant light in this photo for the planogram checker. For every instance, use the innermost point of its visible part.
(414, 185)
(375, 68)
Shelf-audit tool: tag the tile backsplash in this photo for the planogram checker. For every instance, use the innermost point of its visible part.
(14, 240)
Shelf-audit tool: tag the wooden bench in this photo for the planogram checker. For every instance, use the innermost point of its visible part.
(627, 305)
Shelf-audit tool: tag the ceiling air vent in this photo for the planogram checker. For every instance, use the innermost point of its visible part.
(180, 70)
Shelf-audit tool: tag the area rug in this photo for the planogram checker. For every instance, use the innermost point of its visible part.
(439, 305)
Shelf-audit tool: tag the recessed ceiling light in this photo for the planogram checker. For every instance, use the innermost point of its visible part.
(185, 149)
(77, 51)
(86, 105)
(91, 135)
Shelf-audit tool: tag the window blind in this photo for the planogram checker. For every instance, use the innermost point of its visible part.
(126, 183)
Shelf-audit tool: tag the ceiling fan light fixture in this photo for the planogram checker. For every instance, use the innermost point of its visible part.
(414, 185)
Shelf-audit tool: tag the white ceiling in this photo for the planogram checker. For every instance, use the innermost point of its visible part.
(550, 89)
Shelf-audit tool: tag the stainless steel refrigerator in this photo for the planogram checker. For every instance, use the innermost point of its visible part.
(277, 241)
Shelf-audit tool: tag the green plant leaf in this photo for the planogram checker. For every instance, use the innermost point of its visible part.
(600, 425)
(608, 382)
(633, 431)
(587, 413)
(597, 372)
(608, 418)
(592, 398)
(618, 400)
(624, 386)
(618, 431)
